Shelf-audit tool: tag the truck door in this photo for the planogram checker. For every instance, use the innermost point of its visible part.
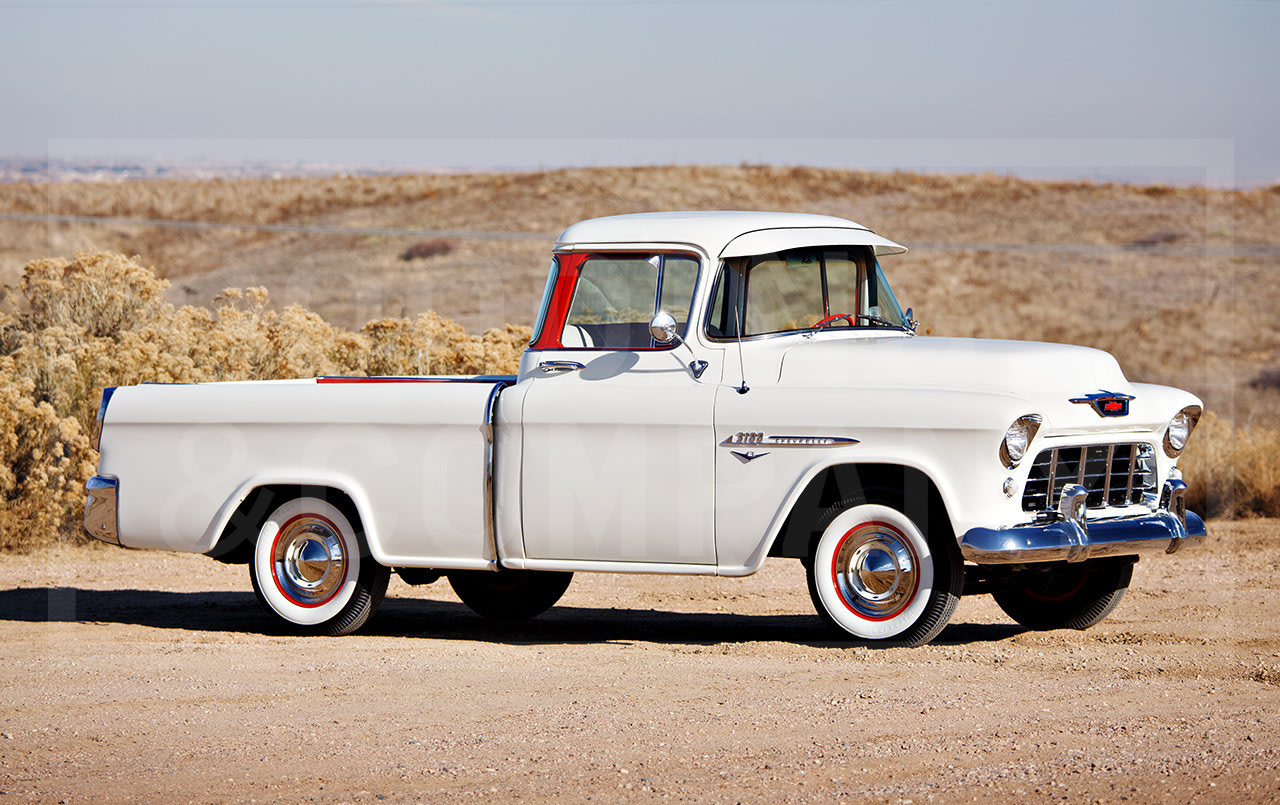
(618, 459)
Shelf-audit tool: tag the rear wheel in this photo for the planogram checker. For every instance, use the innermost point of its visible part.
(509, 594)
(1070, 597)
(312, 570)
(874, 574)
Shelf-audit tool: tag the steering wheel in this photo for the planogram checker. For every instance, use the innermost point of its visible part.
(833, 318)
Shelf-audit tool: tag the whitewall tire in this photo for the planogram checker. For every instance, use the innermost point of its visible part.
(875, 575)
(312, 570)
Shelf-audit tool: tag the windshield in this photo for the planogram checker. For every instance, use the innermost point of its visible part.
(795, 290)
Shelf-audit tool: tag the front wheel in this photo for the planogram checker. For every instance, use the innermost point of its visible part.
(1070, 597)
(310, 568)
(509, 594)
(876, 576)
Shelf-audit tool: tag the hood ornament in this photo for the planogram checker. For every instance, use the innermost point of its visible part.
(1107, 403)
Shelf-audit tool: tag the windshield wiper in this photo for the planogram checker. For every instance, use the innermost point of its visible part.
(881, 320)
(853, 318)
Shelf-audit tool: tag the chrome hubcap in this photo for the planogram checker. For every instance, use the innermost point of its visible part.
(876, 571)
(308, 560)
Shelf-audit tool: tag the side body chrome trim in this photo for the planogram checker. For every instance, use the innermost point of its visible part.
(100, 511)
(490, 459)
(755, 439)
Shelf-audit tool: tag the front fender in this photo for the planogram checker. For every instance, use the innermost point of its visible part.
(793, 502)
(950, 437)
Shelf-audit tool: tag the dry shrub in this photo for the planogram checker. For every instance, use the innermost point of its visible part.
(241, 338)
(1232, 471)
(1267, 379)
(428, 248)
(44, 462)
(432, 345)
(100, 294)
(101, 320)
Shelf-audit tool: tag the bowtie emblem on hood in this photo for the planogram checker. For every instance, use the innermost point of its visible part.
(1107, 403)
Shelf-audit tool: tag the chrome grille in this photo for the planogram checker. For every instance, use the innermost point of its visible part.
(1114, 474)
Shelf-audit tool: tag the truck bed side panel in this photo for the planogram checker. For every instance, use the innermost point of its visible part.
(411, 455)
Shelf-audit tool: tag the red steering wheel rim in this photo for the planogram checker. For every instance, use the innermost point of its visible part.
(833, 317)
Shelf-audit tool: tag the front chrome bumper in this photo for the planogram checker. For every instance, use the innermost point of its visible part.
(1065, 539)
(100, 518)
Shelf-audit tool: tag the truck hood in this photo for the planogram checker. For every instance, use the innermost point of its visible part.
(1046, 376)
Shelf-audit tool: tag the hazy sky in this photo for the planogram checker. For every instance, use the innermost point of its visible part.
(1162, 90)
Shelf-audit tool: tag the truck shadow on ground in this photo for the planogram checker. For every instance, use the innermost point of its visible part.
(444, 620)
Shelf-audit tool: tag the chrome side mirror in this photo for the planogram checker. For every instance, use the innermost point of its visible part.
(911, 319)
(663, 328)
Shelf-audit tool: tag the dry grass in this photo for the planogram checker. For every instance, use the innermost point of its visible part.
(1233, 471)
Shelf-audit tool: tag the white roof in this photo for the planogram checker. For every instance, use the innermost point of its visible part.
(726, 234)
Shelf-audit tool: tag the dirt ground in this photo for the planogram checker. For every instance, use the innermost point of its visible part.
(149, 677)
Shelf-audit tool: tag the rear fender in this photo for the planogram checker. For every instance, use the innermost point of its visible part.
(222, 531)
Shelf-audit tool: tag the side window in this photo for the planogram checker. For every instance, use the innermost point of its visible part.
(726, 303)
(547, 293)
(679, 274)
(616, 296)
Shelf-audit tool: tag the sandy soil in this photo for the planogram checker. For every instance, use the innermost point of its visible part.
(146, 677)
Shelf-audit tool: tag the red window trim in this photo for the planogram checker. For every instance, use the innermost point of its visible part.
(569, 265)
(330, 379)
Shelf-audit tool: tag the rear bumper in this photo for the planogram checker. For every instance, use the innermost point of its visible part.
(100, 518)
(1066, 540)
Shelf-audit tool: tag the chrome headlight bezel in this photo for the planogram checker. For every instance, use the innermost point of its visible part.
(1178, 432)
(1018, 438)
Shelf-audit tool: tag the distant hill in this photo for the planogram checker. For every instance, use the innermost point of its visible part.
(1147, 273)
(33, 169)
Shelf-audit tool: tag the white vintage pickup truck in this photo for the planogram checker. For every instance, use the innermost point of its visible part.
(703, 390)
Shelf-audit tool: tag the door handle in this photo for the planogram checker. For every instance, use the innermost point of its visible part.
(555, 367)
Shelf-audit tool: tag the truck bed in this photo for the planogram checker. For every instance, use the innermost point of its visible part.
(411, 452)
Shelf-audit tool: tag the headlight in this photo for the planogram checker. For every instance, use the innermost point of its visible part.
(1179, 430)
(1018, 438)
